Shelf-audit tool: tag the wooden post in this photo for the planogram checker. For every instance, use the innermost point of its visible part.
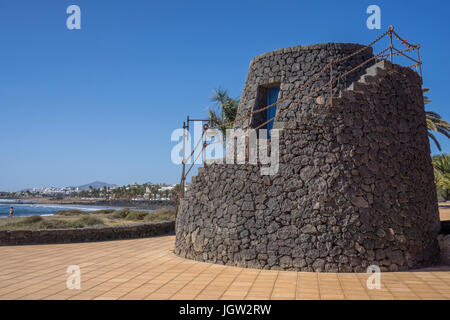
(205, 128)
(391, 28)
(182, 181)
(420, 62)
(180, 192)
(183, 170)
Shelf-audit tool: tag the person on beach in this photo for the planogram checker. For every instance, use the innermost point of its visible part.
(11, 212)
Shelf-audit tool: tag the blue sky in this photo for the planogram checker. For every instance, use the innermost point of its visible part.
(100, 103)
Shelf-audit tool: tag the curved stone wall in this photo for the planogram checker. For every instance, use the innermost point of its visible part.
(292, 67)
(354, 188)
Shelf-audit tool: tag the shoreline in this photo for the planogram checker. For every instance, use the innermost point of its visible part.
(138, 204)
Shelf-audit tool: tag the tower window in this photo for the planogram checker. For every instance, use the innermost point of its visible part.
(265, 96)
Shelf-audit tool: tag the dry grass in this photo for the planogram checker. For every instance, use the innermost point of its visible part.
(67, 219)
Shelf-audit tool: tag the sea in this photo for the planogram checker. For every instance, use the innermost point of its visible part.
(24, 208)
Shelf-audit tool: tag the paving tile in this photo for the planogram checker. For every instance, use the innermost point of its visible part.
(147, 269)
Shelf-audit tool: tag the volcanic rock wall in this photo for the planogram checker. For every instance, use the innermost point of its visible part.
(355, 183)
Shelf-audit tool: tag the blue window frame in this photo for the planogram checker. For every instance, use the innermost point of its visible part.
(272, 97)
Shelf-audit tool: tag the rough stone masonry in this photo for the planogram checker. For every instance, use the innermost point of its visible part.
(355, 185)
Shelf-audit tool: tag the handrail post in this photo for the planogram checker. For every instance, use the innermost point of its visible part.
(182, 180)
(420, 61)
(181, 191)
(390, 29)
(205, 128)
(183, 169)
(185, 126)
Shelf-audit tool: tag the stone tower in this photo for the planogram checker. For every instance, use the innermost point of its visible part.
(355, 182)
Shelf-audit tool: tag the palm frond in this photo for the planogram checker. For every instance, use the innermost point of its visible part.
(219, 96)
(435, 122)
(441, 168)
(444, 131)
(435, 141)
(227, 110)
(431, 125)
(433, 114)
(443, 124)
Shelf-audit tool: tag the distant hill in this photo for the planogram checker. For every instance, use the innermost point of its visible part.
(96, 185)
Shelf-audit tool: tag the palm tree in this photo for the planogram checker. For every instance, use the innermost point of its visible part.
(175, 191)
(441, 165)
(435, 122)
(226, 110)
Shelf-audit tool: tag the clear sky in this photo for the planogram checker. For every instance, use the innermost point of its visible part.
(100, 103)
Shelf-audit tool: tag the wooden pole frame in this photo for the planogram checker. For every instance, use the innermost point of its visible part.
(390, 29)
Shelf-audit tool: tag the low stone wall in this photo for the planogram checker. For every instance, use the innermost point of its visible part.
(22, 237)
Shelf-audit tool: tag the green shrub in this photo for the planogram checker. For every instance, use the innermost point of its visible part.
(136, 215)
(70, 212)
(32, 220)
(160, 215)
(74, 220)
(88, 221)
(104, 211)
(121, 214)
(38, 222)
(77, 224)
(55, 224)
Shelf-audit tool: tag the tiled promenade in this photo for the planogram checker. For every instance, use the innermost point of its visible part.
(147, 269)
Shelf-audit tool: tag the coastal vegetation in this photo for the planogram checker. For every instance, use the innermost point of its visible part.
(441, 165)
(435, 122)
(225, 111)
(37, 222)
(70, 212)
(68, 219)
(129, 192)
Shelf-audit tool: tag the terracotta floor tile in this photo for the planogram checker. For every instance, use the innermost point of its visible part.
(147, 269)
